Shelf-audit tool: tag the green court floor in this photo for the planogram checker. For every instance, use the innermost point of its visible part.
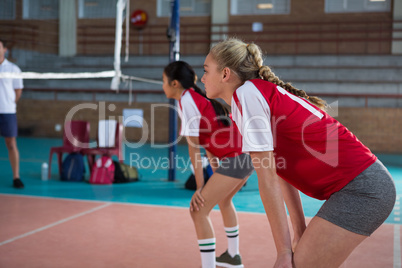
(152, 188)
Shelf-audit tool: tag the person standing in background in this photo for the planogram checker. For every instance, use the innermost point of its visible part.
(10, 93)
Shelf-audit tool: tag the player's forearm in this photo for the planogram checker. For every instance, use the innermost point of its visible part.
(213, 160)
(196, 160)
(18, 93)
(295, 208)
(273, 201)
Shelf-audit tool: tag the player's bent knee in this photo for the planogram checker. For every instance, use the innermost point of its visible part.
(197, 214)
(226, 202)
(11, 147)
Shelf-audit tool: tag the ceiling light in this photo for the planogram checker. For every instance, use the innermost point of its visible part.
(91, 4)
(46, 8)
(186, 9)
(265, 6)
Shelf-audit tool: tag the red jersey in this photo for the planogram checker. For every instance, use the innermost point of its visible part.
(313, 151)
(198, 119)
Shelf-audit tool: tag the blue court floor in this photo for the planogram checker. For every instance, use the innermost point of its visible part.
(152, 188)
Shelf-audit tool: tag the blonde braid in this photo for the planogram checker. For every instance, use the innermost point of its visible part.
(255, 55)
(267, 74)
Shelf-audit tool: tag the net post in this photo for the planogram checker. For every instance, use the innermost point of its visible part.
(173, 34)
(120, 6)
(127, 30)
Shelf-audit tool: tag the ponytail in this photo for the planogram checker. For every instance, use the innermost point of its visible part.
(184, 73)
(245, 60)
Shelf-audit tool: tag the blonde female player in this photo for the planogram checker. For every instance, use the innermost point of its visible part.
(318, 156)
(206, 123)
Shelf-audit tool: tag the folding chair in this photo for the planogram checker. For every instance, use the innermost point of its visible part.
(75, 139)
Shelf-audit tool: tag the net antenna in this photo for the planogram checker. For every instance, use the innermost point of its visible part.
(120, 7)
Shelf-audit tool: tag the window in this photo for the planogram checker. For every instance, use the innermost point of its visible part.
(343, 6)
(99, 9)
(187, 8)
(40, 9)
(7, 11)
(259, 7)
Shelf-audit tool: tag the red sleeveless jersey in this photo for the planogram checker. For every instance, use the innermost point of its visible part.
(198, 118)
(313, 151)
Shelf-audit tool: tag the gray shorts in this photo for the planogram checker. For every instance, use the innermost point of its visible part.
(364, 203)
(239, 167)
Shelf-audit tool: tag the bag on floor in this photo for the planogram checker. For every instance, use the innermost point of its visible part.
(102, 171)
(73, 168)
(191, 184)
(124, 173)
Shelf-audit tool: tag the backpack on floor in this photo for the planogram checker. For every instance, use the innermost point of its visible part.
(73, 168)
(124, 173)
(102, 171)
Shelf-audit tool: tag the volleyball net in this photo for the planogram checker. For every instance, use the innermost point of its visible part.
(108, 69)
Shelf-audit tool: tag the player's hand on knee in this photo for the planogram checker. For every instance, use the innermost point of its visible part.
(197, 201)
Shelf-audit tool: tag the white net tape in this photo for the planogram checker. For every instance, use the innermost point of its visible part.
(126, 77)
(115, 74)
(33, 75)
(83, 75)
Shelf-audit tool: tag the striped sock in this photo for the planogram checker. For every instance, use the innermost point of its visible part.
(232, 234)
(207, 250)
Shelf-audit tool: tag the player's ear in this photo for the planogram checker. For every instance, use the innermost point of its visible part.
(175, 83)
(226, 73)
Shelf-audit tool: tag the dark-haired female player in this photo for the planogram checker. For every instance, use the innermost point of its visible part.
(206, 123)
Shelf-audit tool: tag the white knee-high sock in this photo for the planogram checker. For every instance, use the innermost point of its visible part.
(232, 234)
(207, 250)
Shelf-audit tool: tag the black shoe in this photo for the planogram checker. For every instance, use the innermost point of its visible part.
(17, 183)
(225, 260)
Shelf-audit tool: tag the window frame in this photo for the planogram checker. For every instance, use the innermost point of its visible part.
(365, 8)
(160, 12)
(26, 11)
(234, 9)
(13, 17)
(81, 11)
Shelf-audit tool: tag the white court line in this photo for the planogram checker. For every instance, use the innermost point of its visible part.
(54, 224)
(397, 246)
(122, 203)
(397, 237)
